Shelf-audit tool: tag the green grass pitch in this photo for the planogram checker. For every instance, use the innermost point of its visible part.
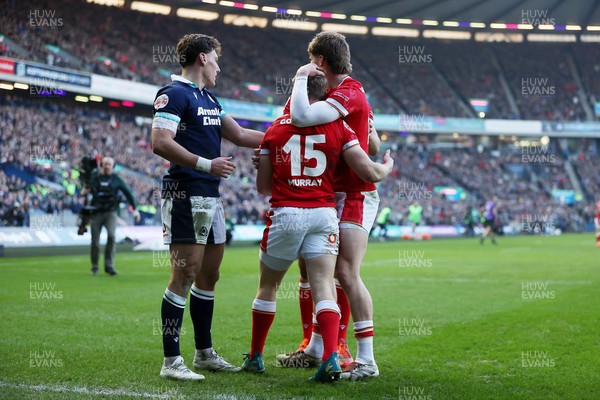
(453, 320)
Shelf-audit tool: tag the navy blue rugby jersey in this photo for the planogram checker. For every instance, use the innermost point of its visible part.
(195, 117)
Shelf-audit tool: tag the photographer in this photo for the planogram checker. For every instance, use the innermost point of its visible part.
(104, 188)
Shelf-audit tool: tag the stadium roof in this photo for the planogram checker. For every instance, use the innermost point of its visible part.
(534, 12)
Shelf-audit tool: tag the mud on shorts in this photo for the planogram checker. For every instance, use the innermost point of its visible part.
(194, 219)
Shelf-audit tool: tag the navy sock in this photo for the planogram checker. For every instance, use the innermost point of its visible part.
(172, 309)
(202, 303)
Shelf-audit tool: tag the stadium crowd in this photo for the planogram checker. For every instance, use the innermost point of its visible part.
(587, 165)
(79, 132)
(439, 82)
(521, 186)
(45, 138)
(485, 175)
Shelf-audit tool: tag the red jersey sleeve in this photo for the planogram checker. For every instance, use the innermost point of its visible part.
(265, 145)
(344, 99)
(349, 138)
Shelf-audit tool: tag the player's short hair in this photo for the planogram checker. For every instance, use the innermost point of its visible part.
(316, 87)
(334, 49)
(193, 44)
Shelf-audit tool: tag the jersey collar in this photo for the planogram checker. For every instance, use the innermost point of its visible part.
(179, 78)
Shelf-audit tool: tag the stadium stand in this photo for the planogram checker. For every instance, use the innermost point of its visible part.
(419, 169)
(456, 73)
(443, 86)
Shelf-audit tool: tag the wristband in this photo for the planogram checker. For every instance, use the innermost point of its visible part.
(203, 164)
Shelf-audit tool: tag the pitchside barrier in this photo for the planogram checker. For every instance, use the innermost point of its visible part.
(150, 237)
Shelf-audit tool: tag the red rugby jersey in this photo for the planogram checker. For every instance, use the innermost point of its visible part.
(304, 161)
(350, 100)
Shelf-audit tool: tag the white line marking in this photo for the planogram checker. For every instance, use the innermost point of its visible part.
(161, 393)
(388, 261)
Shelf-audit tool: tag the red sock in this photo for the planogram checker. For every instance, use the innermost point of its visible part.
(328, 315)
(263, 314)
(306, 309)
(342, 301)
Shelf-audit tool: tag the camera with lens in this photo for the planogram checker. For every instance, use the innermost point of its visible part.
(87, 167)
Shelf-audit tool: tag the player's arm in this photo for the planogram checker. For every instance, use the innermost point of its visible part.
(167, 116)
(164, 145)
(264, 177)
(365, 168)
(302, 112)
(374, 140)
(243, 137)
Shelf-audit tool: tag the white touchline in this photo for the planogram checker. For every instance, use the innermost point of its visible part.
(84, 390)
(380, 262)
(121, 392)
(114, 392)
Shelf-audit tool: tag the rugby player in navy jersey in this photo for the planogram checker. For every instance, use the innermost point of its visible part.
(187, 129)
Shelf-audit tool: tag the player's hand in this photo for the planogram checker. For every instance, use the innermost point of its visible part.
(388, 161)
(222, 167)
(309, 69)
(256, 157)
(136, 215)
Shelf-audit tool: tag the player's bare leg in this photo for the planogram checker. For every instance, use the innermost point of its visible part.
(210, 270)
(268, 283)
(186, 260)
(353, 246)
(202, 302)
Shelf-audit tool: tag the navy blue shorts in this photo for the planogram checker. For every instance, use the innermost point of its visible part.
(193, 219)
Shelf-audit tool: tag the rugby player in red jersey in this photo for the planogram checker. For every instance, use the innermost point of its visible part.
(357, 200)
(296, 168)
